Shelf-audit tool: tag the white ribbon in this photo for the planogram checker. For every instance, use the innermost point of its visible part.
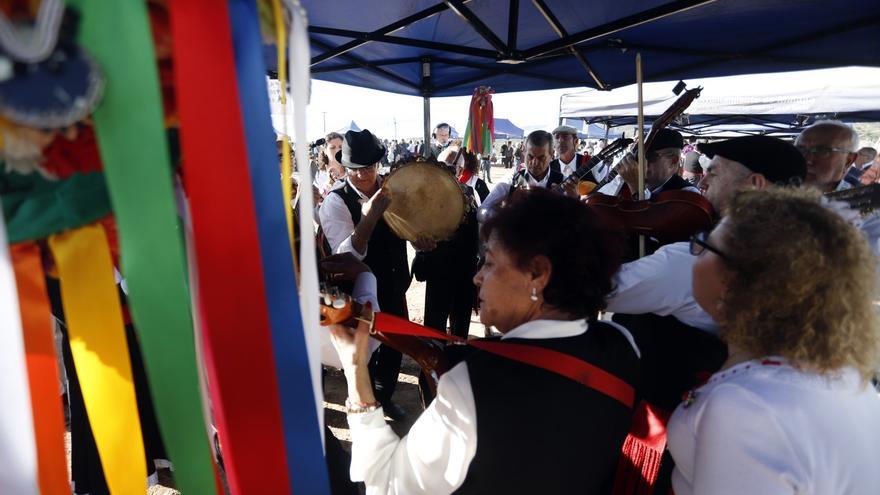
(18, 450)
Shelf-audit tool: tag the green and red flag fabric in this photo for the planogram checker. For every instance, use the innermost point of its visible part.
(480, 131)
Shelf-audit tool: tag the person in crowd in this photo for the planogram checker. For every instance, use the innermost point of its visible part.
(468, 173)
(508, 155)
(329, 169)
(539, 153)
(867, 164)
(351, 218)
(567, 158)
(486, 167)
(692, 171)
(498, 425)
(504, 154)
(792, 411)
(829, 147)
(518, 155)
(448, 270)
(441, 135)
(662, 161)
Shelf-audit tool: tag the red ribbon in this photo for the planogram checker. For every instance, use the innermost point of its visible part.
(235, 319)
(557, 362)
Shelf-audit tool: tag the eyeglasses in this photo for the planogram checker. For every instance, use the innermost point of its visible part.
(699, 246)
(821, 151)
(653, 156)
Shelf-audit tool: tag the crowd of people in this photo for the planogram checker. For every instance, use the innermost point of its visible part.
(750, 346)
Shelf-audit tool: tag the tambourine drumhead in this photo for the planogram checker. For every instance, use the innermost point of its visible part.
(426, 201)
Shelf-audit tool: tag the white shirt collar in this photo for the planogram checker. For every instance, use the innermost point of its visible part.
(547, 329)
(570, 164)
(359, 193)
(538, 183)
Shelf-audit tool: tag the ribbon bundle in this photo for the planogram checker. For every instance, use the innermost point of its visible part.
(480, 131)
(240, 267)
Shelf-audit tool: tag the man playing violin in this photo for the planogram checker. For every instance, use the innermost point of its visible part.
(662, 160)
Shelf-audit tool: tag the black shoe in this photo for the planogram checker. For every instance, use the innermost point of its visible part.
(393, 411)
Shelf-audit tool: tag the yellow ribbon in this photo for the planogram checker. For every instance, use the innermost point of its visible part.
(286, 166)
(100, 354)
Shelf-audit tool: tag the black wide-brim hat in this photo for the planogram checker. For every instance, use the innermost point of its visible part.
(55, 93)
(360, 149)
(778, 161)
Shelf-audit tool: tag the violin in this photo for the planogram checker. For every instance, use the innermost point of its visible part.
(669, 216)
(339, 308)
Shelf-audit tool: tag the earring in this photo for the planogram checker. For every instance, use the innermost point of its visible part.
(534, 296)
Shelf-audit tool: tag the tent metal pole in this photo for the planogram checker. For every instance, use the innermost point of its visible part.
(426, 100)
(427, 118)
(641, 140)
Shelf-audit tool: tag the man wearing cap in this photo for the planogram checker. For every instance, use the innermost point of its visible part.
(662, 160)
(568, 160)
(653, 295)
(351, 217)
(692, 171)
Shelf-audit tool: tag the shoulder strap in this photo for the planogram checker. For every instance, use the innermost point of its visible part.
(586, 374)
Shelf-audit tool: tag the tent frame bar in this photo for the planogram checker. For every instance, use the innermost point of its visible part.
(557, 26)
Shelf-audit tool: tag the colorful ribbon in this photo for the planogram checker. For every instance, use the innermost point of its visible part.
(236, 317)
(480, 131)
(305, 460)
(135, 153)
(18, 456)
(100, 354)
(42, 363)
(36, 207)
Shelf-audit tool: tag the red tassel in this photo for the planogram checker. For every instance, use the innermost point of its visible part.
(642, 451)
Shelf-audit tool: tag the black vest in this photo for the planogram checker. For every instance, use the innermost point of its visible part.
(541, 433)
(555, 177)
(386, 256)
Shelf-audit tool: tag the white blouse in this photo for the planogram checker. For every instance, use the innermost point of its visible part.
(765, 427)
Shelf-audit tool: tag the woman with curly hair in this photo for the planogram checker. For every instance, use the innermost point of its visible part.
(791, 285)
(498, 425)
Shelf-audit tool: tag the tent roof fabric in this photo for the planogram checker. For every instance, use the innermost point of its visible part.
(544, 44)
(505, 129)
(786, 99)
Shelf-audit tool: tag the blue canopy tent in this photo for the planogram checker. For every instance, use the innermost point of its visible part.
(505, 129)
(446, 48)
(352, 126)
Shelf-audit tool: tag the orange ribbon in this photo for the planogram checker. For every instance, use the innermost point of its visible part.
(42, 368)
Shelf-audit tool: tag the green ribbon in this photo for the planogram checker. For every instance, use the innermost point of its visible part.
(135, 154)
(36, 207)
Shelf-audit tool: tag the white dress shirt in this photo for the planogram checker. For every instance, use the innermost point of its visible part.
(661, 284)
(569, 167)
(337, 223)
(503, 188)
(472, 183)
(772, 429)
(434, 457)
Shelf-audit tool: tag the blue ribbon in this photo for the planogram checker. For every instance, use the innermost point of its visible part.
(305, 456)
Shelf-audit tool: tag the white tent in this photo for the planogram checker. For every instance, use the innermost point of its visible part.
(792, 99)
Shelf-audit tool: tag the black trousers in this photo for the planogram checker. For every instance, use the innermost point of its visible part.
(450, 297)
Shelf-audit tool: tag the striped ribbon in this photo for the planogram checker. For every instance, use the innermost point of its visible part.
(305, 460)
(134, 150)
(42, 363)
(18, 456)
(237, 336)
(100, 354)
